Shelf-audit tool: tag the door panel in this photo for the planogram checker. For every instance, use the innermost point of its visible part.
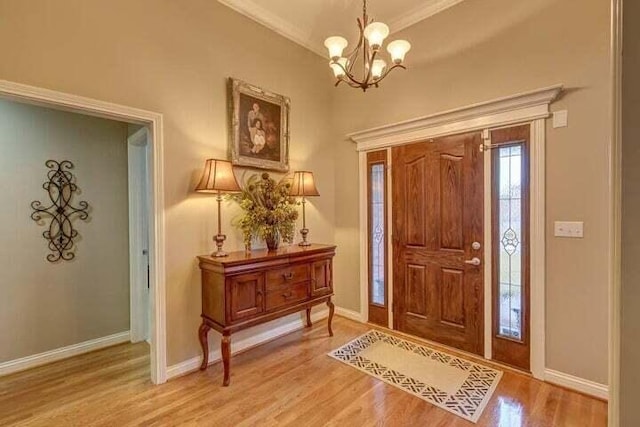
(452, 194)
(416, 296)
(416, 212)
(437, 215)
(452, 297)
(246, 293)
(321, 279)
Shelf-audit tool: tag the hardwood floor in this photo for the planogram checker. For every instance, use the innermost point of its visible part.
(289, 381)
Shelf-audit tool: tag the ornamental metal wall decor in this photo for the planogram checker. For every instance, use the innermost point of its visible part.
(61, 188)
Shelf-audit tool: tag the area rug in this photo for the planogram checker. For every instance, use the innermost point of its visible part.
(450, 382)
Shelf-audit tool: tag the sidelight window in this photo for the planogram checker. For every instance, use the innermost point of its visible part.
(510, 219)
(377, 236)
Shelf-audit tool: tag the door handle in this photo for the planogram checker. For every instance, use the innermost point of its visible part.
(473, 261)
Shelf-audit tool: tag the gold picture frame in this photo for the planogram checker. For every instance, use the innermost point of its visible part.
(259, 134)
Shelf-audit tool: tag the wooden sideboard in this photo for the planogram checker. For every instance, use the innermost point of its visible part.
(245, 289)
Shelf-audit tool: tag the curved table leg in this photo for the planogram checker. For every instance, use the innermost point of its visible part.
(204, 343)
(331, 309)
(309, 317)
(226, 356)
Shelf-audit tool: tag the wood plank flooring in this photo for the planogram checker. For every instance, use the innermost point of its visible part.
(289, 381)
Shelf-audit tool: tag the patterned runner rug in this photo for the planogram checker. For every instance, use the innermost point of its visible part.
(450, 382)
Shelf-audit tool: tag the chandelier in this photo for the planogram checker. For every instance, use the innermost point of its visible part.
(374, 69)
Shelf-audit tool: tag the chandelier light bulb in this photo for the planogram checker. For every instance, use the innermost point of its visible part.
(336, 46)
(398, 49)
(339, 71)
(377, 68)
(375, 33)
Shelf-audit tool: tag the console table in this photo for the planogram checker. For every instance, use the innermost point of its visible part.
(245, 289)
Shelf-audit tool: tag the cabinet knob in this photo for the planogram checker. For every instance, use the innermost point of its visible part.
(287, 276)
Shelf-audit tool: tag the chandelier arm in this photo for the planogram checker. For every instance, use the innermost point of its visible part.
(357, 48)
(368, 71)
(386, 73)
(348, 74)
(352, 56)
(356, 82)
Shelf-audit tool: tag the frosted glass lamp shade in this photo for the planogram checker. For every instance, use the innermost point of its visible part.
(398, 49)
(339, 71)
(375, 33)
(218, 177)
(303, 185)
(336, 46)
(377, 68)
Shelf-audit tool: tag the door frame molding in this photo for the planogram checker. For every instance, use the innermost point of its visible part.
(528, 107)
(154, 121)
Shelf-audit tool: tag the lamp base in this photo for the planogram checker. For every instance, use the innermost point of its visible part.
(219, 239)
(304, 233)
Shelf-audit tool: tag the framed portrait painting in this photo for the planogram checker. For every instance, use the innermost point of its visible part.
(259, 127)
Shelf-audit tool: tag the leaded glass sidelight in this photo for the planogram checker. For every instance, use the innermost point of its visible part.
(377, 230)
(510, 252)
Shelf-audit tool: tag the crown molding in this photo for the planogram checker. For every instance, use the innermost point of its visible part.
(270, 20)
(420, 13)
(265, 17)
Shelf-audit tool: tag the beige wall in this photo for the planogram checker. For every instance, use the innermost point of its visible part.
(173, 57)
(482, 50)
(44, 306)
(630, 339)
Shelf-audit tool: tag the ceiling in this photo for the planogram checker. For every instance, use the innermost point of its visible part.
(309, 22)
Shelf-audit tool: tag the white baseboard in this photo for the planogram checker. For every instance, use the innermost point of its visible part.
(591, 388)
(193, 364)
(23, 363)
(349, 314)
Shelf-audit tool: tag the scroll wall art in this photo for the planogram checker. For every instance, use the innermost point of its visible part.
(60, 213)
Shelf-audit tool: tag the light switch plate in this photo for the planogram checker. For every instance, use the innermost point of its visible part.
(560, 119)
(572, 229)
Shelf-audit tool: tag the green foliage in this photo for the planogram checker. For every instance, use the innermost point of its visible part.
(268, 208)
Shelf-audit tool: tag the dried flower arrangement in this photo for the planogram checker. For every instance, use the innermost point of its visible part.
(269, 211)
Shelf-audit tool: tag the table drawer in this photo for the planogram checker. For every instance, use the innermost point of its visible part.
(276, 279)
(287, 295)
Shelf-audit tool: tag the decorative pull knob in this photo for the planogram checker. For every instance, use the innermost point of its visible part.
(473, 261)
(287, 295)
(287, 276)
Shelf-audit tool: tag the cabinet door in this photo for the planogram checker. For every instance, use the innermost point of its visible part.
(246, 295)
(321, 279)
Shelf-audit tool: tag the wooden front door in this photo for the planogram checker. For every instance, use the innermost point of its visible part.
(437, 237)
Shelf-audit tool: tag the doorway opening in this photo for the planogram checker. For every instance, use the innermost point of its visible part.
(438, 224)
(478, 121)
(147, 267)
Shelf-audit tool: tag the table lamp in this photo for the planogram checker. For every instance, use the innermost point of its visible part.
(303, 185)
(218, 178)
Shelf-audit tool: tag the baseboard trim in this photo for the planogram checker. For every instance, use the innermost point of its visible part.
(349, 314)
(32, 361)
(193, 364)
(581, 385)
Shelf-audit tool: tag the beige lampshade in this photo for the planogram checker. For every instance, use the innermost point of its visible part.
(218, 177)
(303, 184)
